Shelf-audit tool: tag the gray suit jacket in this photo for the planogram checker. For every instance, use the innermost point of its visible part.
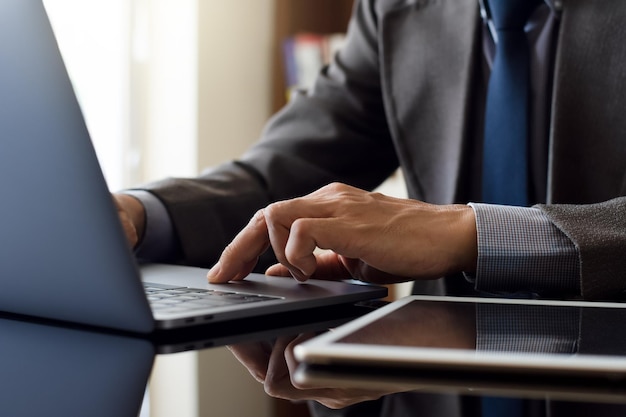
(403, 92)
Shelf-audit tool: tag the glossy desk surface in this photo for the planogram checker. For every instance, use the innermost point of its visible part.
(53, 370)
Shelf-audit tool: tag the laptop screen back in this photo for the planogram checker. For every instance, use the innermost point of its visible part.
(62, 251)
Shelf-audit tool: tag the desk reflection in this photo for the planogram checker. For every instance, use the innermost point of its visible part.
(498, 331)
(55, 371)
(51, 370)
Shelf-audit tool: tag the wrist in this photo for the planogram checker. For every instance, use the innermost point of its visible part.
(135, 211)
(466, 238)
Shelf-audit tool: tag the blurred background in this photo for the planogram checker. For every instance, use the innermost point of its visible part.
(167, 87)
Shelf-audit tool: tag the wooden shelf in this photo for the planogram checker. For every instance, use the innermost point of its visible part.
(293, 16)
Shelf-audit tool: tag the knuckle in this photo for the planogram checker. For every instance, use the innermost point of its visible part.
(299, 228)
(259, 216)
(228, 251)
(337, 187)
(271, 212)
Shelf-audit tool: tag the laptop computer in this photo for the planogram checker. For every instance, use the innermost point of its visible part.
(63, 254)
(532, 348)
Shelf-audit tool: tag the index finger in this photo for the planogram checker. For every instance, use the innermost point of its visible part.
(242, 254)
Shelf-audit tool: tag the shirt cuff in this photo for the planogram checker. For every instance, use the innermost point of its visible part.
(158, 243)
(521, 251)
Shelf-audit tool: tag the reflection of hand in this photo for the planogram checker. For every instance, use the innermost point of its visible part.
(132, 216)
(371, 237)
(274, 365)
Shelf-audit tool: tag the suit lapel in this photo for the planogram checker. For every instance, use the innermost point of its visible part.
(427, 67)
(587, 160)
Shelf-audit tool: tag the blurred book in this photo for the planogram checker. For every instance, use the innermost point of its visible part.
(305, 54)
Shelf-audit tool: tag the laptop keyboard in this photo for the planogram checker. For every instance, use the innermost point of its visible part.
(173, 299)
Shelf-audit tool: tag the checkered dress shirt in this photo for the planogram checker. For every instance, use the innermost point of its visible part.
(520, 250)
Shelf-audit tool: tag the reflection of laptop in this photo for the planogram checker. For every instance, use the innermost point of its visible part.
(56, 371)
(563, 350)
(62, 251)
(109, 370)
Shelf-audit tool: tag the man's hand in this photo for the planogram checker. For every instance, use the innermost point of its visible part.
(369, 236)
(428, 325)
(274, 364)
(132, 215)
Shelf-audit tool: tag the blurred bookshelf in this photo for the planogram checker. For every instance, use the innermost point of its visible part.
(304, 54)
(311, 22)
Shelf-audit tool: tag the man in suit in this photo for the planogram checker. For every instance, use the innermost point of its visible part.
(409, 90)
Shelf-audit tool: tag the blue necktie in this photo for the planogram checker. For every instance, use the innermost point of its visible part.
(502, 407)
(505, 154)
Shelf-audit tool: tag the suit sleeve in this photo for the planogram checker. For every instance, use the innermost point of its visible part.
(599, 233)
(336, 132)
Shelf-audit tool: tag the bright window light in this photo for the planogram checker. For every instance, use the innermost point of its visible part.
(94, 39)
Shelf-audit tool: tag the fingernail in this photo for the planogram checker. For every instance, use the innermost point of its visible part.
(298, 275)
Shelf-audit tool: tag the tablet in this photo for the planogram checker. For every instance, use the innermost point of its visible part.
(531, 348)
